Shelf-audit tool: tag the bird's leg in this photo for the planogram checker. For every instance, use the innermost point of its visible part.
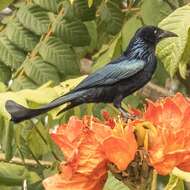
(124, 113)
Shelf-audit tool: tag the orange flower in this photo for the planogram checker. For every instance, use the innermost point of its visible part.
(85, 167)
(88, 146)
(171, 146)
(121, 146)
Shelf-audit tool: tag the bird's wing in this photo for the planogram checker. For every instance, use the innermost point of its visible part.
(112, 73)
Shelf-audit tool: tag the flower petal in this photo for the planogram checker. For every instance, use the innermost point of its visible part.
(171, 146)
(180, 100)
(74, 128)
(153, 112)
(171, 113)
(119, 151)
(86, 165)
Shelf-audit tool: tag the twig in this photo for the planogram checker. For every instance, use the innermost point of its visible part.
(47, 35)
(153, 91)
(34, 52)
(28, 162)
(131, 9)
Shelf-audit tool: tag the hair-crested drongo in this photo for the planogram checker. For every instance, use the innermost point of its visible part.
(113, 82)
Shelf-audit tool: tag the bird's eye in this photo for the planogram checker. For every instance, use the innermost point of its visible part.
(155, 31)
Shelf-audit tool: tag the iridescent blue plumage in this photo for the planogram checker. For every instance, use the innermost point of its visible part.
(138, 49)
(111, 83)
(112, 73)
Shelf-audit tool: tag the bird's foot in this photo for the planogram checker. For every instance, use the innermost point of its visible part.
(128, 116)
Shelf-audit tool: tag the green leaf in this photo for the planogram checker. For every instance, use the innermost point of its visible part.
(185, 58)
(61, 55)
(181, 174)
(33, 177)
(72, 32)
(83, 11)
(2, 131)
(3, 87)
(9, 54)
(92, 30)
(22, 82)
(5, 3)
(41, 95)
(5, 187)
(113, 184)
(161, 75)
(20, 36)
(5, 73)
(12, 174)
(129, 29)
(68, 10)
(90, 3)
(8, 146)
(171, 50)
(111, 16)
(49, 4)
(108, 55)
(41, 72)
(174, 183)
(34, 18)
(158, 11)
(35, 142)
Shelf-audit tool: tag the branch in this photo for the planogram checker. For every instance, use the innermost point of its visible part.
(28, 162)
(153, 91)
(20, 71)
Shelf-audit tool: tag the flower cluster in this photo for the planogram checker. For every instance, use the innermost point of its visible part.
(89, 145)
(171, 146)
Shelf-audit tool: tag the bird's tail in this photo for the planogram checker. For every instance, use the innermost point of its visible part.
(20, 113)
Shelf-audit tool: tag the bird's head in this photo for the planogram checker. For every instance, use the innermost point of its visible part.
(152, 34)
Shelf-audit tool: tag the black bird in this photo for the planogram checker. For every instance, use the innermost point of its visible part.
(113, 82)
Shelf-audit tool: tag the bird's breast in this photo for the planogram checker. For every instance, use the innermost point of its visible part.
(137, 81)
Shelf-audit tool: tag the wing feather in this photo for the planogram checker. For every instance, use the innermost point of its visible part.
(112, 73)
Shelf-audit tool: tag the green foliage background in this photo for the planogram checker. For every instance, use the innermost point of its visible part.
(46, 46)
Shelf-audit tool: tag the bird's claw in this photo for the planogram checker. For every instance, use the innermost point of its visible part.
(128, 116)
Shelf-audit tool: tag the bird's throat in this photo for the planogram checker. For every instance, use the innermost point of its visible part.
(138, 49)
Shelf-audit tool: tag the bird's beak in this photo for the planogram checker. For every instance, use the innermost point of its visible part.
(167, 34)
